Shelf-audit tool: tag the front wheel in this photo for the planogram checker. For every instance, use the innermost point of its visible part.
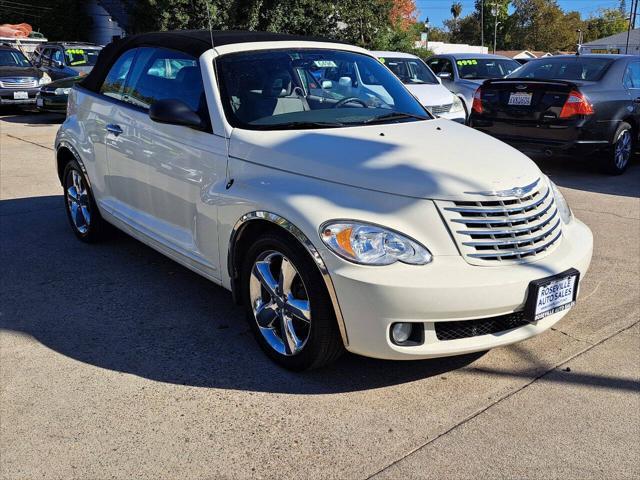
(619, 155)
(288, 306)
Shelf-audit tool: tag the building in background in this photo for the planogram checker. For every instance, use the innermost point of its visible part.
(110, 20)
(615, 44)
(444, 48)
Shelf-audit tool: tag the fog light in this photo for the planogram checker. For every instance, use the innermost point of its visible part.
(400, 332)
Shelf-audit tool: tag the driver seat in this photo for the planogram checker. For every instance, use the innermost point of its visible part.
(278, 97)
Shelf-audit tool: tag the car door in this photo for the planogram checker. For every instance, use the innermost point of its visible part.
(632, 85)
(161, 172)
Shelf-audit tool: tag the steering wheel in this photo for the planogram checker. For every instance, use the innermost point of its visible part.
(344, 101)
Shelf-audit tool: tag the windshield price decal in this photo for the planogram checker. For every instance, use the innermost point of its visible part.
(463, 63)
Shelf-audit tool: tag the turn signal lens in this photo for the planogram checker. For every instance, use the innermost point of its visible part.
(576, 104)
(372, 245)
(477, 101)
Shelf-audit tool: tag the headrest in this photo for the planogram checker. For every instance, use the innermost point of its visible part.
(277, 84)
(189, 77)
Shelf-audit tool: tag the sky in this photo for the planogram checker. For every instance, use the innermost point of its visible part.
(439, 10)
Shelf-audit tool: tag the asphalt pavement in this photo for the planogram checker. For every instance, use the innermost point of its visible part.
(116, 362)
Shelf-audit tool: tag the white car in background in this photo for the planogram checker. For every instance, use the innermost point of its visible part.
(339, 215)
(424, 85)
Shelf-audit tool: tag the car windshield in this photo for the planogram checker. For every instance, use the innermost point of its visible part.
(81, 57)
(480, 68)
(13, 58)
(410, 71)
(311, 88)
(565, 68)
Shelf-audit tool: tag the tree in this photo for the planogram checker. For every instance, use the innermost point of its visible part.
(623, 7)
(543, 25)
(608, 22)
(403, 13)
(456, 11)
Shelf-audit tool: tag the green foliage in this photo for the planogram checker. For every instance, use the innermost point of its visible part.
(608, 22)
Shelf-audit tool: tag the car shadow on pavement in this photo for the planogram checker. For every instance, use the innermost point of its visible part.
(30, 117)
(122, 306)
(586, 175)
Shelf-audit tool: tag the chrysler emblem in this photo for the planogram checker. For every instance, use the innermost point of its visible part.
(521, 87)
(517, 192)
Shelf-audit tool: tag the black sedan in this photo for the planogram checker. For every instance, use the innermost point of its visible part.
(568, 104)
(53, 97)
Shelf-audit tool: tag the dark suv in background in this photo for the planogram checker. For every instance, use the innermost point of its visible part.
(20, 81)
(66, 59)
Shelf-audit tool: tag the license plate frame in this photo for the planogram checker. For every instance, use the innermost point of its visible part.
(533, 310)
(520, 99)
(21, 95)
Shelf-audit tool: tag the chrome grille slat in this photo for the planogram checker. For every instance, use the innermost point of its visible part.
(506, 232)
(18, 82)
(501, 220)
(520, 253)
(521, 207)
(438, 109)
(516, 240)
(503, 228)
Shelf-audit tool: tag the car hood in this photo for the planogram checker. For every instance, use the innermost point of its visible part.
(64, 82)
(434, 159)
(20, 72)
(431, 94)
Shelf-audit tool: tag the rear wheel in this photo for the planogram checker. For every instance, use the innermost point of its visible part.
(82, 211)
(288, 307)
(619, 155)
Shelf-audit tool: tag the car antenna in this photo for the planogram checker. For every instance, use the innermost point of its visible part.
(210, 26)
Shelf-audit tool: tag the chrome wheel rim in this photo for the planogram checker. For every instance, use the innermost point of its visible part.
(280, 303)
(78, 203)
(623, 149)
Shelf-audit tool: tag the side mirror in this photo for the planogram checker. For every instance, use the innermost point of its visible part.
(327, 84)
(175, 112)
(444, 75)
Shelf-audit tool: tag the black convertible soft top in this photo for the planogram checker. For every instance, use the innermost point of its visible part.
(193, 42)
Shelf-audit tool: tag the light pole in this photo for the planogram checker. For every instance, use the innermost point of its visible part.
(495, 26)
(426, 31)
(482, 23)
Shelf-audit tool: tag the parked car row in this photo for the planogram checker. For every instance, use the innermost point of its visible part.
(45, 79)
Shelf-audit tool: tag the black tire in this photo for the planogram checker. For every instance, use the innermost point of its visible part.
(624, 139)
(93, 230)
(323, 341)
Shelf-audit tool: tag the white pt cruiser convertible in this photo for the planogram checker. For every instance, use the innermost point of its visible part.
(340, 215)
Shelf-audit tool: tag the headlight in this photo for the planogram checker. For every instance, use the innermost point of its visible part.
(44, 80)
(561, 204)
(372, 245)
(62, 91)
(457, 106)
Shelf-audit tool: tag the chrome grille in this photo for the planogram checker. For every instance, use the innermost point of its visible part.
(504, 229)
(18, 82)
(439, 109)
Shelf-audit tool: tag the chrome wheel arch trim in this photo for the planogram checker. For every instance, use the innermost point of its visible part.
(74, 152)
(304, 241)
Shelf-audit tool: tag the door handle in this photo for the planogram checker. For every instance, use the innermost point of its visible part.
(115, 129)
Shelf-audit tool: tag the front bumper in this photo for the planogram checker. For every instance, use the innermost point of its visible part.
(373, 298)
(7, 96)
(459, 116)
(52, 103)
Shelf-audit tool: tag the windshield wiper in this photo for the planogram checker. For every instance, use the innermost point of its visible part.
(301, 124)
(393, 116)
